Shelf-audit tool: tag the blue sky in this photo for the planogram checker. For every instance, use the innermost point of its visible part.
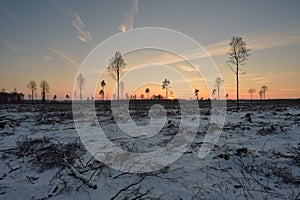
(49, 39)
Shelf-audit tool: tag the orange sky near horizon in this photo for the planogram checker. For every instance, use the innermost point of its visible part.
(49, 40)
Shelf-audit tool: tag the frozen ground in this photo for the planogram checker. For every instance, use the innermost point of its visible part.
(256, 157)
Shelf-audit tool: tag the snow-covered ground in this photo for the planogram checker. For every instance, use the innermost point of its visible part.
(256, 157)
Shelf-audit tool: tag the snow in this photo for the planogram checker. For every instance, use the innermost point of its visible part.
(257, 155)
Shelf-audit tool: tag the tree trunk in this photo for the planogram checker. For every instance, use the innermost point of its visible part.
(118, 85)
(237, 86)
(31, 96)
(80, 95)
(166, 93)
(218, 91)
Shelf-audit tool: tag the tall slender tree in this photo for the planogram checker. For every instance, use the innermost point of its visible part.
(147, 90)
(219, 81)
(251, 91)
(32, 85)
(260, 94)
(165, 85)
(196, 93)
(80, 84)
(103, 85)
(44, 89)
(101, 93)
(122, 88)
(264, 89)
(116, 67)
(238, 55)
(214, 93)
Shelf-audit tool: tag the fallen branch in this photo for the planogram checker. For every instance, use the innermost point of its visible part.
(127, 187)
(56, 188)
(86, 180)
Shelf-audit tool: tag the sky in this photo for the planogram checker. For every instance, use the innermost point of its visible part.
(50, 39)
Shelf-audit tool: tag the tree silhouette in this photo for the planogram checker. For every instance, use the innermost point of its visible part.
(196, 93)
(67, 96)
(165, 85)
(80, 84)
(219, 81)
(32, 85)
(44, 89)
(238, 55)
(147, 90)
(142, 96)
(116, 67)
(264, 89)
(214, 92)
(101, 93)
(54, 97)
(260, 94)
(122, 88)
(103, 85)
(251, 91)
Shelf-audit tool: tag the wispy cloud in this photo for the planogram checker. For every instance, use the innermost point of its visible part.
(259, 78)
(84, 35)
(10, 45)
(128, 19)
(278, 36)
(68, 57)
(47, 58)
(187, 68)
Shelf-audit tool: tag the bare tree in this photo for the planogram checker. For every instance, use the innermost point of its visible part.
(196, 93)
(165, 85)
(116, 67)
(80, 83)
(214, 92)
(251, 91)
(122, 88)
(264, 89)
(32, 85)
(260, 94)
(44, 89)
(101, 93)
(238, 55)
(219, 81)
(147, 90)
(103, 85)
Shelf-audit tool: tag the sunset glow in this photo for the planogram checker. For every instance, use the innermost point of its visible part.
(50, 40)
